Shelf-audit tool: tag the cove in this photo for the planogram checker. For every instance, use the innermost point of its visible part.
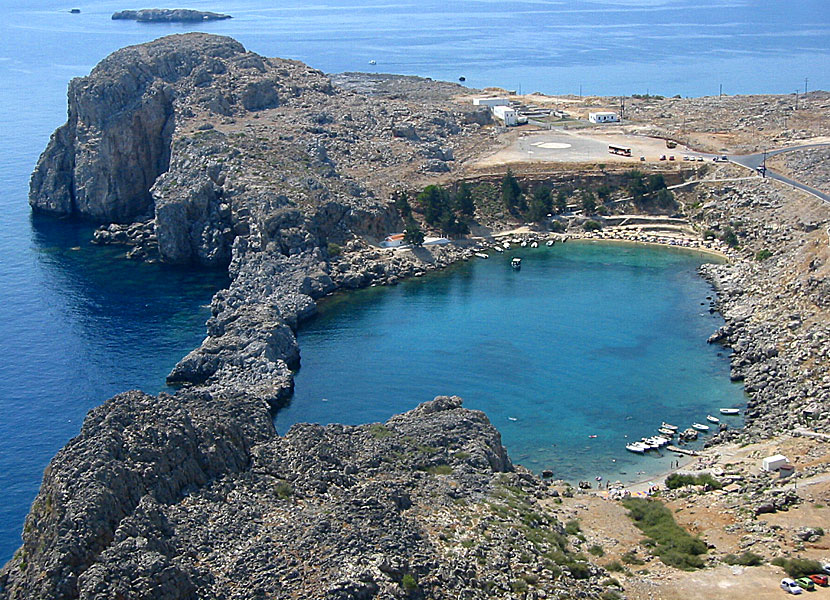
(587, 339)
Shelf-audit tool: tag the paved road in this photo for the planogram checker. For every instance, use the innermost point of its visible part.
(753, 161)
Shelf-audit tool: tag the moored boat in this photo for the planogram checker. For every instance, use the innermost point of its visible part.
(516, 263)
(549, 243)
(730, 411)
(668, 432)
(534, 245)
(712, 419)
(636, 447)
(700, 426)
(665, 425)
(481, 255)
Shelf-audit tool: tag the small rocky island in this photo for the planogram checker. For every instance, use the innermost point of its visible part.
(168, 15)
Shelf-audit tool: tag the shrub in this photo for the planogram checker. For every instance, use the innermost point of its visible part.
(631, 558)
(615, 566)
(797, 567)
(379, 431)
(572, 527)
(762, 255)
(747, 559)
(610, 595)
(729, 237)
(409, 582)
(677, 480)
(596, 550)
(557, 227)
(439, 470)
(284, 490)
(334, 249)
(591, 225)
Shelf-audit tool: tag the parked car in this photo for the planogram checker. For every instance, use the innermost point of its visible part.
(671, 157)
(643, 158)
(724, 158)
(699, 159)
(662, 157)
(826, 568)
(819, 580)
(806, 583)
(790, 586)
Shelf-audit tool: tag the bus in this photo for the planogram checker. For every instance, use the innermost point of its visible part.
(622, 150)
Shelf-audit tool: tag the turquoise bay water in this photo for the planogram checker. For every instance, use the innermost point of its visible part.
(78, 326)
(586, 339)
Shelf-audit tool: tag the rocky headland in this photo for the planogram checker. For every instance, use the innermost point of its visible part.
(192, 150)
(168, 15)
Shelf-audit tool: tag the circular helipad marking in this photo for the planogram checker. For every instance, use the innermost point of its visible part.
(552, 145)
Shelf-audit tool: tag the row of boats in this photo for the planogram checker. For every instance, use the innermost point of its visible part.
(667, 431)
(506, 246)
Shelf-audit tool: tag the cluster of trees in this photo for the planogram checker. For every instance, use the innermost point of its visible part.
(537, 206)
(445, 210)
(644, 189)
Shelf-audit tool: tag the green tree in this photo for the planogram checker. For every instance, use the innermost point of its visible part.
(656, 182)
(433, 201)
(589, 202)
(412, 234)
(665, 198)
(401, 202)
(561, 201)
(464, 202)
(540, 204)
(511, 192)
(729, 237)
(636, 185)
(451, 226)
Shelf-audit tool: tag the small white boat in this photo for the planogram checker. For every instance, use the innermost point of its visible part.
(730, 411)
(524, 243)
(649, 444)
(373, 62)
(636, 447)
(712, 419)
(668, 432)
(549, 243)
(498, 248)
(516, 263)
(534, 245)
(506, 245)
(700, 426)
(665, 425)
(481, 255)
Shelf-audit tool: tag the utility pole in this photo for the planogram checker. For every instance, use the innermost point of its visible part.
(764, 169)
(796, 99)
(721, 91)
(805, 85)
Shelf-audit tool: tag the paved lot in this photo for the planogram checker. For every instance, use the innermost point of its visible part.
(579, 147)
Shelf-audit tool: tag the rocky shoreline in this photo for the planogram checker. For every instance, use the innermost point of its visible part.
(266, 167)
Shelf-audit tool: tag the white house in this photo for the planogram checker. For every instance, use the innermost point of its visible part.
(508, 115)
(491, 102)
(774, 462)
(603, 117)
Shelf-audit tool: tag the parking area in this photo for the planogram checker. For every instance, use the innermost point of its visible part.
(579, 147)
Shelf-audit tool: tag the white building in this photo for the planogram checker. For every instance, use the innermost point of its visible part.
(491, 102)
(603, 117)
(508, 115)
(773, 463)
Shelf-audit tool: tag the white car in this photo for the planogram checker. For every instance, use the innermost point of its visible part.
(826, 567)
(788, 585)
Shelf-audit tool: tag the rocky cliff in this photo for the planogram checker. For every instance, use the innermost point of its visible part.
(187, 496)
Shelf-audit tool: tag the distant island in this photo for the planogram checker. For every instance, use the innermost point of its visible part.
(168, 15)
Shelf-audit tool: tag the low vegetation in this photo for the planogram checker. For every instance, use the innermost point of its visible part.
(797, 567)
(747, 559)
(678, 480)
(670, 542)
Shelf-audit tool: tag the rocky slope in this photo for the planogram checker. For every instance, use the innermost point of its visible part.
(190, 497)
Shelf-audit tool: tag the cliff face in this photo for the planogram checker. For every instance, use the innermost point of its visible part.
(116, 141)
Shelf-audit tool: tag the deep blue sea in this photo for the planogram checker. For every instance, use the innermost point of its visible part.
(79, 323)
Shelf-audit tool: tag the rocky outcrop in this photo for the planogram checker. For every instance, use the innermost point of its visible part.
(116, 142)
(190, 497)
(168, 15)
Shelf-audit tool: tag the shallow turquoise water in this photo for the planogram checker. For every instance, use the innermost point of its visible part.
(587, 339)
